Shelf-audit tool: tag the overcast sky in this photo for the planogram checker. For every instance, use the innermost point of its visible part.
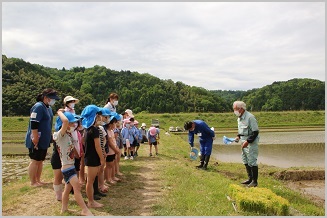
(214, 45)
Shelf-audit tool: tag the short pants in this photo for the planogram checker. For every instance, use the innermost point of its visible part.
(37, 154)
(55, 161)
(154, 143)
(110, 158)
(69, 173)
(77, 164)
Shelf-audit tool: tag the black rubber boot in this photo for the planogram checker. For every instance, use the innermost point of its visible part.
(206, 161)
(249, 172)
(201, 162)
(254, 182)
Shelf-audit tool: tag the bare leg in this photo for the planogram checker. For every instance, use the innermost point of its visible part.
(78, 196)
(106, 172)
(91, 174)
(117, 164)
(150, 149)
(32, 169)
(65, 198)
(81, 172)
(39, 172)
(102, 187)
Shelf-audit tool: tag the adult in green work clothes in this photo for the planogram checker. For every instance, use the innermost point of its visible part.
(248, 133)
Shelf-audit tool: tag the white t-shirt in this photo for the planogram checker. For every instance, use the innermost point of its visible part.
(66, 148)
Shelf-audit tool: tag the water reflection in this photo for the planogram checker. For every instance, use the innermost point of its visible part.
(281, 149)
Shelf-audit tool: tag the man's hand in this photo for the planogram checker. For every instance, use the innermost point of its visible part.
(245, 144)
(237, 139)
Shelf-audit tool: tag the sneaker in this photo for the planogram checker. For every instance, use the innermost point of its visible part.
(126, 157)
(150, 154)
(131, 158)
(157, 154)
(135, 155)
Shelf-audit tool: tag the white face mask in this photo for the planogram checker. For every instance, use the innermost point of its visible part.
(100, 122)
(71, 105)
(237, 113)
(127, 125)
(52, 102)
(115, 103)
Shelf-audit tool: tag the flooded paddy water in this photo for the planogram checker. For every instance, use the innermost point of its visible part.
(280, 149)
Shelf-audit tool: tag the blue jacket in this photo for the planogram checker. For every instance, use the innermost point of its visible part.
(203, 130)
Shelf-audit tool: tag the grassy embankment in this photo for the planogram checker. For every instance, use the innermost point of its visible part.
(169, 184)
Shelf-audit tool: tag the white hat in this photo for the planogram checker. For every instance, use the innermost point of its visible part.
(70, 98)
(143, 124)
(129, 112)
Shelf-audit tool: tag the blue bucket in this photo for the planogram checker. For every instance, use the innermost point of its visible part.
(194, 154)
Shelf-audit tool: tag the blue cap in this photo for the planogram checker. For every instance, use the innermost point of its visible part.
(228, 141)
(79, 117)
(105, 111)
(194, 154)
(89, 114)
(71, 119)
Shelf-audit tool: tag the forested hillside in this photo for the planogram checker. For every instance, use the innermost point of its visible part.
(22, 81)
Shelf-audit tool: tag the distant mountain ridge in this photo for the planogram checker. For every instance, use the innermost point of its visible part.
(22, 81)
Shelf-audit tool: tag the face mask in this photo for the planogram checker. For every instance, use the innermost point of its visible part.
(52, 102)
(101, 123)
(237, 113)
(71, 105)
(115, 103)
(81, 128)
(132, 124)
(127, 125)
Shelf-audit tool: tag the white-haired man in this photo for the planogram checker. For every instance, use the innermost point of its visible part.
(248, 133)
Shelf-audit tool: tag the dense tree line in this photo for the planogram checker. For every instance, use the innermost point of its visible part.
(22, 81)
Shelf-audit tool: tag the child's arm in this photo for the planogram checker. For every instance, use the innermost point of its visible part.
(64, 121)
(112, 145)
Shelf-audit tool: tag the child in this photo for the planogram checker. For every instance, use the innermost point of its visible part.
(81, 134)
(138, 137)
(144, 133)
(127, 139)
(153, 137)
(93, 155)
(119, 142)
(65, 124)
(103, 141)
(112, 151)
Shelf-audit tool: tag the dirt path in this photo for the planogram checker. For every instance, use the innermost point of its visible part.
(135, 195)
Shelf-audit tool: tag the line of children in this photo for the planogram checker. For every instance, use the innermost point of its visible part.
(96, 140)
